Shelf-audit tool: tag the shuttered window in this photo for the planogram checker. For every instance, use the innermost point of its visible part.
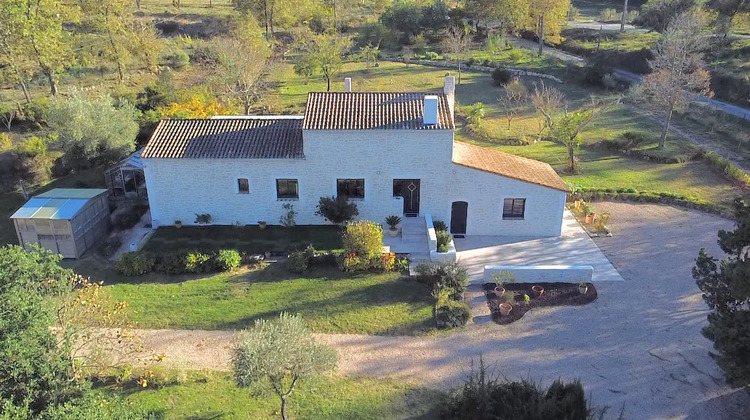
(514, 208)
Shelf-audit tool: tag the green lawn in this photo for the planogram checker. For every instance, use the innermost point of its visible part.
(216, 396)
(250, 239)
(329, 300)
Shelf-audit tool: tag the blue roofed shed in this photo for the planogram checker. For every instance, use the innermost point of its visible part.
(67, 221)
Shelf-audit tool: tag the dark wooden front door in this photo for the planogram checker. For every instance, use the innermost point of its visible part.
(409, 190)
(458, 217)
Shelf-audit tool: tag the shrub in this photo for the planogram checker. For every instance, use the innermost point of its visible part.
(203, 219)
(134, 263)
(452, 277)
(297, 262)
(309, 252)
(351, 262)
(177, 59)
(384, 262)
(439, 225)
(5, 143)
(443, 239)
(484, 396)
(172, 263)
(501, 76)
(198, 262)
(451, 314)
(109, 247)
(287, 218)
(363, 238)
(727, 168)
(337, 210)
(227, 259)
(609, 15)
(656, 14)
(401, 264)
(375, 33)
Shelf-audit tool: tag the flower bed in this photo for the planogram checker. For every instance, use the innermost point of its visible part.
(555, 294)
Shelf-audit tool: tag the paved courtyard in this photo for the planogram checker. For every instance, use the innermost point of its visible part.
(573, 247)
(637, 347)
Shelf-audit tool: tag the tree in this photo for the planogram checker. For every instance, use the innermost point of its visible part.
(274, 13)
(12, 44)
(458, 43)
(657, 14)
(513, 98)
(507, 14)
(282, 353)
(727, 10)
(726, 291)
(369, 53)
(548, 18)
(196, 107)
(92, 128)
(321, 52)
(239, 69)
(678, 73)
(46, 41)
(624, 16)
(338, 210)
(114, 18)
(566, 129)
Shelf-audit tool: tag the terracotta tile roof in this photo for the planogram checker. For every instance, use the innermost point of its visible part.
(227, 138)
(507, 165)
(372, 111)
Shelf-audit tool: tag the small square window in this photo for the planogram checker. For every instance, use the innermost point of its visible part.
(514, 208)
(287, 188)
(243, 186)
(352, 188)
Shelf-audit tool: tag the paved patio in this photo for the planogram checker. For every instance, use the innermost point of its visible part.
(574, 247)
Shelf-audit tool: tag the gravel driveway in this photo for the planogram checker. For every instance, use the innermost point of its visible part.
(638, 346)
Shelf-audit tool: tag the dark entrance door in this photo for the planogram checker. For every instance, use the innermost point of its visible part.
(458, 217)
(409, 190)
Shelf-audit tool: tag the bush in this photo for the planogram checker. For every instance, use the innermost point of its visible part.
(727, 168)
(337, 210)
(228, 259)
(443, 239)
(172, 264)
(134, 263)
(109, 247)
(363, 238)
(484, 396)
(198, 262)
(385, 262)
(609, 15)
(656, 14)
(501, 76)
(297, 262)
(351, 262)
(453, 277)
(439, 225)
(451, 314)
(5, 143)
(177, 59)
(203, 218)
(375, 34)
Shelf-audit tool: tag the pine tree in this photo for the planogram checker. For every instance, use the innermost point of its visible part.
(726, 291)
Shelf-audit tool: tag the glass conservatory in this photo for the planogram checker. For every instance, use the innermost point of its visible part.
(125, 181)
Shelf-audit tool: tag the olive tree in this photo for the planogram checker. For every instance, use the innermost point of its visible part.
(280, 353)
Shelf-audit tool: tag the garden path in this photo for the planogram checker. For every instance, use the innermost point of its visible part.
(637, 347)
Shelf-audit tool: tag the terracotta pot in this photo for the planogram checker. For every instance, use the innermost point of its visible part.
(505, 309)
(583, 288)
(537, 291)
(499, 291)
(589, 219)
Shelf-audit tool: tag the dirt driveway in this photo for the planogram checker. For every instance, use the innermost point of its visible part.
(638, 346)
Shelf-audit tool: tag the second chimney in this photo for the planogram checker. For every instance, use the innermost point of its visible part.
(348, 84)
(430, 110)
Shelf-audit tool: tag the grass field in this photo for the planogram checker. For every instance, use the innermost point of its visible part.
(329, 300)
(216, 396)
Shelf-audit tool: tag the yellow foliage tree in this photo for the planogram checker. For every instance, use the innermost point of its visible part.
(547, 19)
(194, 108)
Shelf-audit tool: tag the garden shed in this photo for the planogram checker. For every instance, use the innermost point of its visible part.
(67, 221)
(125, 181)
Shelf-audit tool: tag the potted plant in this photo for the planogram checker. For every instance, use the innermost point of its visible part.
(178, 224)
(583, 288)
(262, 224)
(505, 308)
(537, 291)
(499, 290)
(393, 222)
(500, 279)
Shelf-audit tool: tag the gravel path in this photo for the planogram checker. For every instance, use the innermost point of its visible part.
(638, 346)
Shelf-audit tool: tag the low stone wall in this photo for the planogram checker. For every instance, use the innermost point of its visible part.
(431, 235)
(449, 256)
(474, 67)
(542, 273)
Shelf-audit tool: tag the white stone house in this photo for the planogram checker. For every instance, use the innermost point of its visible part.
(391, 153)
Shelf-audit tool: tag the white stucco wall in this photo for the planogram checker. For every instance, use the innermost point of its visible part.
(180, 188)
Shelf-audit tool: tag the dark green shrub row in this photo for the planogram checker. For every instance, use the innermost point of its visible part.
(484, 396)
(727, 168)
(141, 262)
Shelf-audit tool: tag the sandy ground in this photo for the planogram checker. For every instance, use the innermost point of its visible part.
(638, 346)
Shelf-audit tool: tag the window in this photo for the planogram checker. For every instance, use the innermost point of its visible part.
(287, 188)
(243, 186)
(514, 208)
(352, 188)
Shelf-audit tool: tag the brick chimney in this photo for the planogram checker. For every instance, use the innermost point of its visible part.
(348, 84)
